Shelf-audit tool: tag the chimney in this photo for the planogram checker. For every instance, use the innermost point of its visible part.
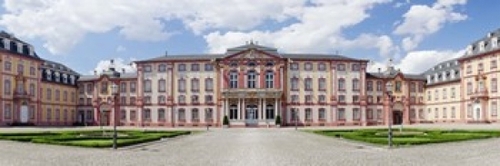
(123, 70)
(379, 70)
(95, 72)
(112, 65)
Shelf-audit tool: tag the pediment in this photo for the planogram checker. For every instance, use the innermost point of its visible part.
(251, 54)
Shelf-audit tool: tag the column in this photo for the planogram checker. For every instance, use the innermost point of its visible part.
(243, 108)
(239, 108)
(264, 107)
(226, 107)
(259, 109)
(276, 108)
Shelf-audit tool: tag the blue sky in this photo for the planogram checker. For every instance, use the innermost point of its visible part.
(83, 34)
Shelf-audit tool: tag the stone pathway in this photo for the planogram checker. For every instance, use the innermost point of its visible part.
(283, 146)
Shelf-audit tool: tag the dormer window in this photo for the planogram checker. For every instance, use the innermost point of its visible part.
(494, 42)
(13, 46)
(48, 75)
(65, 78)
(26, 50)
(481, 46)
(57, 77)
(233, 64)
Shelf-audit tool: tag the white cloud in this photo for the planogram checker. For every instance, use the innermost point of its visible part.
(318, 29)
(400, 3)
(62, 24)
(121, 48)
(421, 20)
(119, 64)
(419, 61)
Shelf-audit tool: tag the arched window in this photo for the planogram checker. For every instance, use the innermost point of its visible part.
(251, 79)
(195, 115)
(233, 79)
(161, 114)
(269, 79)
(181, 114)
(252, 64)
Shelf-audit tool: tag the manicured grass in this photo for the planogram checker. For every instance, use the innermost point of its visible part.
(93, 138)
(409, 136)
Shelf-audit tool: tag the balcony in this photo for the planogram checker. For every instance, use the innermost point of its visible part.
(479, 93)
(21, 95)
(251, 93)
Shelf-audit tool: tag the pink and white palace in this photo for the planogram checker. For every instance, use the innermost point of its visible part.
(252, 85)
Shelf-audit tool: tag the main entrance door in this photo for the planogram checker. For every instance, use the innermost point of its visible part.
(251, 115)
(24, 114)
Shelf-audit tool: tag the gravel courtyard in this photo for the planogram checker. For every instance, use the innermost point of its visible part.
(253, 147)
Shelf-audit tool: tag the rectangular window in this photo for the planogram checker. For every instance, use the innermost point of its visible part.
(195, 67)
(147, 86)
(147, 114)
(309, 99)
(104, 88)
(413, 87)
(209, 84)
(132, 100)
(379, 86)
(32, 71)
(494, 109)
(355, 67)
(421, 114)
(123, 115)
(494, 85)
(321, 67)
(308, 84)
(123, 87)
(356, 114)
(369, 86)
(133, 115)
(341, 84)
(181, 85)
(369, 113)
(322, 99)
(413, 114)
(341, 99)
(209, 67)
(7, 66)
(308, 66)
(208, 99)
(161, 114)
(341, 114)
(148, 68)
(90, 88)
(493, 64)
(209, 114)
(49, 114)
(195, 85)
(7, 111)
(181, 67)
(295, 99)
(469, 69)
(341, 67)
(269, 79)
(445, 113)
(132, 87)
(162, 68)
(398, 86)
(295, 84)
(195, 115)
(469, 87)
(355, 99)
(453, 113)
(294, 66)
(379, 114)
(308, 114)
(233, 79)
(321, 114)
(123, 100)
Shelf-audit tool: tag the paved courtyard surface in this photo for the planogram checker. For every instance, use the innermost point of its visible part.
(283, 146)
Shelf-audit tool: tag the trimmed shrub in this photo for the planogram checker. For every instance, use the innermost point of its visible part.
(278, 120)
(225, 121)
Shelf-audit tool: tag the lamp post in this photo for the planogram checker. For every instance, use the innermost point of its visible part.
(114, 89)
(389, 95)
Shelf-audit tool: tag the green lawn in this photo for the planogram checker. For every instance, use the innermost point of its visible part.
(94, 138)
(409, 136)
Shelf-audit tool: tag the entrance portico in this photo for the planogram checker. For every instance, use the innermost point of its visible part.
(251, 108)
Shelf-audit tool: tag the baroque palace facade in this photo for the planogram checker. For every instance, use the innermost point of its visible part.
(251, 85)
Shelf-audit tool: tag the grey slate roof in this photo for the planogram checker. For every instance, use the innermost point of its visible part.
(489, 40)
(5, 35)
(231, 51)
(390, 72)
(55, 66)
(449, 67)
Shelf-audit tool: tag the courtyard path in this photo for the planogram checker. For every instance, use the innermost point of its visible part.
(283, 146)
